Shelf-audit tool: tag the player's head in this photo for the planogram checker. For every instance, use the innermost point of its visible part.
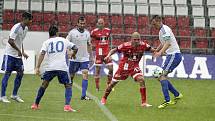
(135, 38)
(100, 23)
(156, 21)
(53, 31)
(27, 18)
(81, 23)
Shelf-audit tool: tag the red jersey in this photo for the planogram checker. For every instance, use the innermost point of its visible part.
(131, 55)
(101, 38)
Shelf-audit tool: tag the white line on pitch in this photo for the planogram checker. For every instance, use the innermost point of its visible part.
(104, 109)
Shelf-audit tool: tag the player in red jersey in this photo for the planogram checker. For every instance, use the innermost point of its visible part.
(101, 36)
(132, 52)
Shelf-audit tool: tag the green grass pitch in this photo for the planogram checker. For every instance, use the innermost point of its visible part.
(198, 103)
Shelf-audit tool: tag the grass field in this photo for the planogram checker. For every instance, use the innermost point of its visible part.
(198, 103)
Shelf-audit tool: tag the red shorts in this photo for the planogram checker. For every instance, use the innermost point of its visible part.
(100, 60)
(122, 74)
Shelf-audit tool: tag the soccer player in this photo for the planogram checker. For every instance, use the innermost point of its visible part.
(132, 52)
(56, 49)
(12, 60)
(81, 38)
(102, 35)
(170, 48)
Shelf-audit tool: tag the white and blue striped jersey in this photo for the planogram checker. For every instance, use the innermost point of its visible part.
(18, 34)
(56, 53)
(166, 34)
(81, 41)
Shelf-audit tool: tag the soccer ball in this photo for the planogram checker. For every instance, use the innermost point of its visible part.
(157, 72)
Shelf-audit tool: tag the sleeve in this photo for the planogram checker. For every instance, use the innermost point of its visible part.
(70, 45)
(69, 36)
(44, 47)
(120, 48)
(89, 39)
(13, 32)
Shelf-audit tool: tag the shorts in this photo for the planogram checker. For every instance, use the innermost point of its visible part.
(122, 74)
(100, 60)
(171, 62)
(63, 76)
(11, 63)
(75, 66)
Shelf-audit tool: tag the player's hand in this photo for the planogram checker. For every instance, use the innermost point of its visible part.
(156, 54)
(106, 58)
(73, 56)
(19, 53)
(37, 71)
(25, 55)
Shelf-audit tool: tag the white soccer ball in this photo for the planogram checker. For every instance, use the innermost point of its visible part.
(157, 72)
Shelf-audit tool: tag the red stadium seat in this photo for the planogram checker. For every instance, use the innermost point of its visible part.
(18, 16)
(74, 18)
(170, 21)
(154, 31)
(200, 32)
(49, 17)
(46, 27)
(36, 27)
(7, 26)
(184, 32)
(130, 20)
(8, 16)
(91, 19)
(116, 20)
(213, 32)
(143, 21)
(185, 43)
(201, 43)
(116, 42)
(117, 30)
(37, 17)
(63, 17)
(183, 21)
(130, 30)
(144, 30)
(63, 28)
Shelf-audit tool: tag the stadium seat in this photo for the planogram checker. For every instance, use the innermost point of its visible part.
(46, 27)
(116, 20)
(201, 43)
(63, 17)
(143, 21)
(36, 27)
(130, 20)
(49, 17)
(144, 30)
(37, 16)
(170, 21)
(7, 26)
(213, 32)
(154, 31)
(8, 16)
(91, 19)
(116, 42)
(185, 43)
(117, 30)
(184, 32)
(63, 28)
(200, 32)
(183, 21)
(74, 18)
(155, 42)
(130, 30)
(18, 16)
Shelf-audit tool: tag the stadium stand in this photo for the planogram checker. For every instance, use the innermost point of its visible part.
(192, 21)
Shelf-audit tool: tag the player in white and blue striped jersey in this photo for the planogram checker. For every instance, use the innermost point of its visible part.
(170, 48)
(12, 60)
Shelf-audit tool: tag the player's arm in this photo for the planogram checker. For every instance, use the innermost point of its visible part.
(89, 49)
(112, 51)
(23, 53)
(74, 49)
(159, 48)
(13, 45)
(40, 60)
(164, 48)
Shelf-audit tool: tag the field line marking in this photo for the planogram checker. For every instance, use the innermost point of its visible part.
(104, 109)
(35, 117)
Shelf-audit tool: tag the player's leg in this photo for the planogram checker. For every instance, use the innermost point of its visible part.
(47, 77)
(84, 85)
(110, 73)
(73, 68)
(17, 82)
(7, 66)
(96, 76)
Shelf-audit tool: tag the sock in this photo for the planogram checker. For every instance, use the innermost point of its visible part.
(109, 79)
(68, 95)
(17, 82)
(164, 85)
(4, 83)
(108, 90)
(172, 89)
(40, 94)
(143, 94)
(97, 82)
(84, 87)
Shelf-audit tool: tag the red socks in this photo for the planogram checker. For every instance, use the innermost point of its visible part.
(143, 94)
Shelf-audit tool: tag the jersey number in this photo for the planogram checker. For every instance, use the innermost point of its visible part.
(58, 47)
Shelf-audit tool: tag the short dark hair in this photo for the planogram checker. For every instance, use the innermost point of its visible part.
(157, 17)
(27, 15)
(81, 18)
(53, 29)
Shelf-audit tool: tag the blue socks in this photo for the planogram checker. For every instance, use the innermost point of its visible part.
(68, 95)
(40, 93)
(4, 83)
(166, 87)
(17, 82)
(84, 87)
